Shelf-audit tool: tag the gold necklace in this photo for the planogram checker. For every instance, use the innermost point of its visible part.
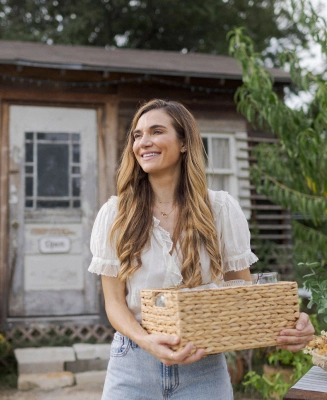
(163, 214)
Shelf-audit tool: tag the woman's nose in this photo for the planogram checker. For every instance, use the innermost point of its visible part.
(145, 140)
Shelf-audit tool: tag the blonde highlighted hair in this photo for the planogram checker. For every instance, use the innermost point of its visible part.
(195, 224)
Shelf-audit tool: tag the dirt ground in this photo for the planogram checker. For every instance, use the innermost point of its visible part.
(78, 392)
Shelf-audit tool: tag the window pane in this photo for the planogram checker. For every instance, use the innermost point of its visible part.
(76, 153)
(52, 204)
(76, 187)
(221, 153)
(76, 203)
(29, 169)
(53, 136)
(28, 203)
(29, 152)
(75, 137)
(52, 170)
(29, 135)
(28, 186)
(218, 182)
(205, 144)
(76, 170)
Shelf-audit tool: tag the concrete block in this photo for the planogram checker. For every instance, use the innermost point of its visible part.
(86, 365)
(46, 382)
(44, 354)
(41, 368)
(90, 377)
(43, 359)
(86, 351)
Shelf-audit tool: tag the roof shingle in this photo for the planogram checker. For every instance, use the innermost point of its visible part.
(123, 60)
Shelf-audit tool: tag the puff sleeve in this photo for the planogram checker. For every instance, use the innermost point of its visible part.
(104, 260)
(233, 233)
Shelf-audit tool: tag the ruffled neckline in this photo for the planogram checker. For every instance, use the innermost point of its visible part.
(165, 236)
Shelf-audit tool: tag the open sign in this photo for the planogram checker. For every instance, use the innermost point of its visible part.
(54, 244)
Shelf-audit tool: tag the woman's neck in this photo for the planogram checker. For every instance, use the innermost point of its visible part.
(164, 188)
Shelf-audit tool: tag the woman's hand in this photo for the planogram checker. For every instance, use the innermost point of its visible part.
(296, 339)
(159, 345)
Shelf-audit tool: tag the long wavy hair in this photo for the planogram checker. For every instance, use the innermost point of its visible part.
(195, 226)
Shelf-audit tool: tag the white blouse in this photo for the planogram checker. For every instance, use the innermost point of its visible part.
(161, 269)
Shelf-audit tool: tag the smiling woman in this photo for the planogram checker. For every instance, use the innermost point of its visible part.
(166, 228)
(156, 145)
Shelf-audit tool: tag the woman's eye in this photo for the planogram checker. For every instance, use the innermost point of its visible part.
(136, 136)
(156, 132)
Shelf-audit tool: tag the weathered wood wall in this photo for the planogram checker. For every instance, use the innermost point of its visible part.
(115, 107)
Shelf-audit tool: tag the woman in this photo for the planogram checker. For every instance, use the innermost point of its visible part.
(166, 228)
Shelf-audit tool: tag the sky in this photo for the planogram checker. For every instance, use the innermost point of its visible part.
(311, 59)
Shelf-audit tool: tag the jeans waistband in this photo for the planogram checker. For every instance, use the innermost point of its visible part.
(132, 343)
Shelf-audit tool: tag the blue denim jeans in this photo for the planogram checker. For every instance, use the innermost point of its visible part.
(134, 374)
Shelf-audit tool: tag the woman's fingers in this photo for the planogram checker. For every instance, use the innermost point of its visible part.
(296, 339)
(186, 355)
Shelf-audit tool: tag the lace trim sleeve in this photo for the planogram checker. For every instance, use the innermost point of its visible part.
(238, 264)
(104, 267)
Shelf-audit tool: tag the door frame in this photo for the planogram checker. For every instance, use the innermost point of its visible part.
(107, 107)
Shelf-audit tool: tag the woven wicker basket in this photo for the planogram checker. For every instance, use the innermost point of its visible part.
(319, 360)
(225, 319)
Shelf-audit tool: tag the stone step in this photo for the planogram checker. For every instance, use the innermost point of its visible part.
(85, 351)
(49, 381)
(48, 368)
(43, 359)
(90, 378)
(86, 365)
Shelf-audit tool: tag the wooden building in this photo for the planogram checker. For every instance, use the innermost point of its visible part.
(65, 111)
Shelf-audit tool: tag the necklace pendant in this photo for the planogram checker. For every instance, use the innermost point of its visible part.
(164, 215)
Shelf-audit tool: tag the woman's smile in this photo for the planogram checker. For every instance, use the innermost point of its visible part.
(149, 156)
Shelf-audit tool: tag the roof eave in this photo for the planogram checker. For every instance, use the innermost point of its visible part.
(149, 71)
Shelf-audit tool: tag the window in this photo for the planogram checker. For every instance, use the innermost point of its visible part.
(220, 161)
(52, 170)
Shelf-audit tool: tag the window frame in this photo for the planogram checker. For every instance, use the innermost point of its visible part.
(71, 199)
(230, 173)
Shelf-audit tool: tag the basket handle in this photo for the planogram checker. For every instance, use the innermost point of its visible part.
(160, 300)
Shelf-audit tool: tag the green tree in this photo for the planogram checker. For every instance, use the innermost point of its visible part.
(292, 173)
(192, 25)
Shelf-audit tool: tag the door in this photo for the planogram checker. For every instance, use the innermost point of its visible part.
(53, 199)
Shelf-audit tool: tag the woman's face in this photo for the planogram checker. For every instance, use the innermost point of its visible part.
(156, 145)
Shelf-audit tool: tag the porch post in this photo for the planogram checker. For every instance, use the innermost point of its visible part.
(4, 177)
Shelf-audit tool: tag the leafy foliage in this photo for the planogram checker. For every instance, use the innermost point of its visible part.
(300, 362)
(194, 25)
(8, 365)
(316, 282)
(268, 387)
(275, 385)
(292, 172)
(4, 348)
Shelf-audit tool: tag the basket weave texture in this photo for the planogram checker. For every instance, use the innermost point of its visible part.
(224, 319)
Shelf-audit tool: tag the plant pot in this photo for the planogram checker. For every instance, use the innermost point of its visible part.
(236, 370)
(285, 372)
